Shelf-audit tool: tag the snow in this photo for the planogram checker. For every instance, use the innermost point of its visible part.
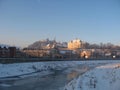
(27, 69)
(5, 85)
(8, 70)
(106, 77)
(18, 69)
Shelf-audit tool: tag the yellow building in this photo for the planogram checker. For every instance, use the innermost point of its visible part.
(74, 44)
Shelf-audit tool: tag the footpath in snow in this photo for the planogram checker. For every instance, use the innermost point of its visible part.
(105, 77)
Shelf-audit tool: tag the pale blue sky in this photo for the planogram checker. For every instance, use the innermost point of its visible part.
(24, 21)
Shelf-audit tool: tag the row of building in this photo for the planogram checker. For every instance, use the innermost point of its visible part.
(73, 50)
(7, 52)
(73, 54)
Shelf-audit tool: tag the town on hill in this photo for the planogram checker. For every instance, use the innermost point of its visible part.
(51, 49)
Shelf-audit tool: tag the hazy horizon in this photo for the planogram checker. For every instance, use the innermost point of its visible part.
(23, 22)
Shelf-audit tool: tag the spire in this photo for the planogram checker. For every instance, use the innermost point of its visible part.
(55, 38)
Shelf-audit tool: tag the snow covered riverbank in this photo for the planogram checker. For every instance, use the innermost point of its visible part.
(17, 69)
(106, 77)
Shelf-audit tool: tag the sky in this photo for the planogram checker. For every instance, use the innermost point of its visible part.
(23, 22)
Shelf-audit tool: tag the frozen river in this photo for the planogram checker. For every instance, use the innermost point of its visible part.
(54, 81)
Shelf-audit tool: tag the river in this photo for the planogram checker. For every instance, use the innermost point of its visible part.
(54, 81)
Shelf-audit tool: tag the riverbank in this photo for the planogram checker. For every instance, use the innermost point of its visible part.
(27, 60)
(106, 77)
(19, 69)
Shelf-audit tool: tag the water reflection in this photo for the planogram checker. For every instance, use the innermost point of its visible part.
(72, 75)
(75, 73)
(55, 81)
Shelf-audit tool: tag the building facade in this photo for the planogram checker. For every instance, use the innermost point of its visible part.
(75, 44)
(7, 52)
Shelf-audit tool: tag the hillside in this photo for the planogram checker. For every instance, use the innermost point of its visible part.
(46, 44)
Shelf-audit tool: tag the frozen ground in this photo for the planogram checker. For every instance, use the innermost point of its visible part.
(20, 69)
(106, 77)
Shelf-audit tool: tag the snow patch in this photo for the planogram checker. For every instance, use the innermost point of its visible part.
(105, 77)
